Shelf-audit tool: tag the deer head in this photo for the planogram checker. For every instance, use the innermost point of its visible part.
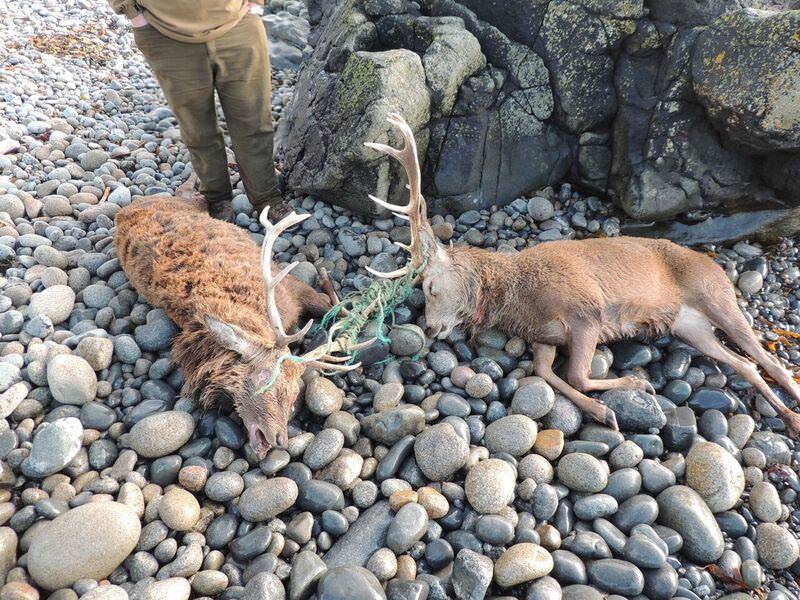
(448, 295)
(265, 380)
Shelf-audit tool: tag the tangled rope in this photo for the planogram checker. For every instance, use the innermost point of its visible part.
(347, 319)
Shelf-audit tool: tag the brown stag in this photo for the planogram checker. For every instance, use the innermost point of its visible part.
(576, 294)
(232, 304)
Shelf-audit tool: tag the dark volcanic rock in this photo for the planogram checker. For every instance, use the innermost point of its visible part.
(364, 537)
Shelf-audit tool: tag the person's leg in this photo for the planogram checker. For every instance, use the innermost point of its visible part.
(185, 74)
(242, 79)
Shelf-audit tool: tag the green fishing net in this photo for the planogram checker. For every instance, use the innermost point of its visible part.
(345, 321)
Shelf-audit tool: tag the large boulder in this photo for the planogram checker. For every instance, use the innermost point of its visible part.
(578, 39)
(746, 70)
(474, 156)
(379, 57)
(337, 113)
(668, 107)
(667, 158)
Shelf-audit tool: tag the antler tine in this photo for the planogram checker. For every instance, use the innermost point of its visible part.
(271, 281)
(388, 274)
(395, 208)
(416, 210)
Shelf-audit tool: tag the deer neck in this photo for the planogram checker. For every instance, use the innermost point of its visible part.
(486, 286)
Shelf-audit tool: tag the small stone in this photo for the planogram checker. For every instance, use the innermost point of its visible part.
(564, 416)
(521, 563)
(406, 340)
(323, 397)
(683, 509)
(349, 583)
(582, 472)
(489, 485)
(55, 302)
(390, 426)
(307, 568)
(71, 379)
(383, 564)
(325, 446)
(87, 542)
(777, 546)
(514, 434)
(616, 576)
(765, 502)
(636, 410)
(408, 527)
(644, 552)
(627, 455)
(740, 428)
(479, 386)
(267, 499)
(54, 447)
(549, 443)
(388, 396)
(174, 588)
(209, 583)
(540, 209)
(96, 351)
(161, 434)
(750, 282)
(440, 451)
(714, 474)
(179, 509)
(435, 504)
(224, 486)
(534, 398)
(472, 575)
(93, 159)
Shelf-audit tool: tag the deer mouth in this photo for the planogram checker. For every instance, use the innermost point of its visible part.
(440, 331)
(263, 438)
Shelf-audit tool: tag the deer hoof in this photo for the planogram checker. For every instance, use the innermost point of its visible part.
(611, 420)
(792, 420)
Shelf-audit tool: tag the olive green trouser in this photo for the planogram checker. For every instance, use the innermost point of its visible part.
(236, 65)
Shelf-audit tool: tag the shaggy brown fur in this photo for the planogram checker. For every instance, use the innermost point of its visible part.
(196, 267)
(577, 294)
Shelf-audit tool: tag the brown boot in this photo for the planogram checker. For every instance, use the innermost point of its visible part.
(221, 210)
(277, 210)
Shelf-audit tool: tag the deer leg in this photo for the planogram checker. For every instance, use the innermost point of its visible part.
(582, 344)
(543, 357)
(697, 330)
(738, 330)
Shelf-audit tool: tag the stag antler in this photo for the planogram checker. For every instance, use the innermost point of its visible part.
(271, 281)
(416, 211)
(321, 357)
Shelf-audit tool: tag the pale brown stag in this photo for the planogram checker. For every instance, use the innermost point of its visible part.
(576, 294)
(232, 304)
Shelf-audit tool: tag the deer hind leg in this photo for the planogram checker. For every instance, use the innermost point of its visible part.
(697, 329)
(543, 357)
(732, 322)
(582, 343)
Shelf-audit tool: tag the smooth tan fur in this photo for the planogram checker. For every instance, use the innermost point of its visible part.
(576, 294)
(194, 266)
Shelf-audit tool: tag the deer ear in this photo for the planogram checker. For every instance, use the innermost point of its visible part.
(429, 245)
(230, 337)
